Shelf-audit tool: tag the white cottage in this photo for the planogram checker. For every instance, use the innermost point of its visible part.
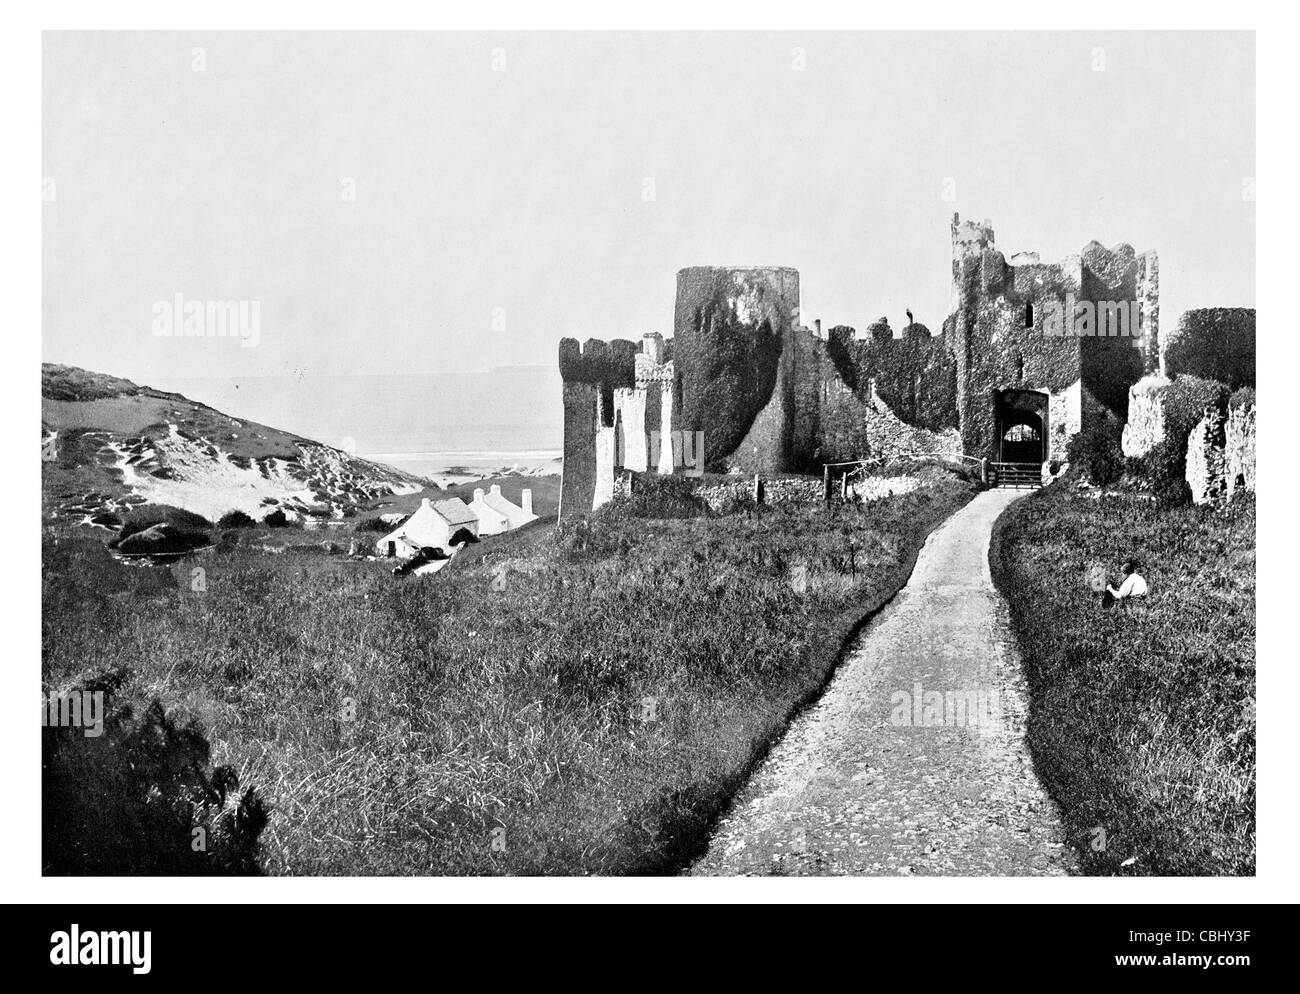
(497, 515)
(433, 525)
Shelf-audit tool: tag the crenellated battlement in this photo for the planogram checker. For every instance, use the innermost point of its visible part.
(619, 414)
(596, 361)
(773, 395)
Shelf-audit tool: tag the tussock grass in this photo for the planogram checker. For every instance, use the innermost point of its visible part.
(577, 699)
(1142, 720)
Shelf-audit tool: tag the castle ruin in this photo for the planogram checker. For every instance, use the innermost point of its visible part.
(774, 396)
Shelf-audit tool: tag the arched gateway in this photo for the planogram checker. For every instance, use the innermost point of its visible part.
(1021, 417)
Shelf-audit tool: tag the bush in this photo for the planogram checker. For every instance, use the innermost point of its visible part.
(664, 497)
(1214, 343)
(139, 798)
(1186, 400)
(235, 519)
(276, 519)
(1097, 453)
(163, 514)
(1165, 468)
(162, 530)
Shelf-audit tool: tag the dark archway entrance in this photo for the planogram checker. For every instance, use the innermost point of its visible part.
(1022, 443)
(1021, 419)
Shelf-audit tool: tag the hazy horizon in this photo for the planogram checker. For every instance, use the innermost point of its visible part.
(494, 212)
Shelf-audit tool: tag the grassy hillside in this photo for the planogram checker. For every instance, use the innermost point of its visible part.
(108, 446)
(573, 699)
(1142, 720)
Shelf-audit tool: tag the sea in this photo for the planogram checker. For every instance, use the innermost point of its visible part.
(429, 424)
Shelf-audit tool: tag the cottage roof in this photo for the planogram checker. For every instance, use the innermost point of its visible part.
(428, 525)
(512, 512)
(455, 511)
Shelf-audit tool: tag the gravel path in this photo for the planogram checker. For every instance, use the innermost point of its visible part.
(870, 780)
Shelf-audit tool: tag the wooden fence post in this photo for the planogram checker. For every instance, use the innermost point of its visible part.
(826, 483)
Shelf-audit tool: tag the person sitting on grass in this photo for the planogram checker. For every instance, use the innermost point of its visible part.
(1130, 587)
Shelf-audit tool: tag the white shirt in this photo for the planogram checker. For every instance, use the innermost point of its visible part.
(1133, 586)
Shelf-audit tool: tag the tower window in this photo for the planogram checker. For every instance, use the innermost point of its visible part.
(605, 406)
(1029, 314)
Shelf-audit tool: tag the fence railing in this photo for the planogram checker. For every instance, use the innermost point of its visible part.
(857, 468)
(1016, 474)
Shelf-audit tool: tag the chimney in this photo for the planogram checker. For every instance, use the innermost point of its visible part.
(478, 494)
(496, 489)
(817, 325)
(652, 345)
(424, 503)
(526, 499)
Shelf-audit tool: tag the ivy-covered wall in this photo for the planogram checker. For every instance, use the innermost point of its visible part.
(771, 396)
(916, 375)
(729, 328)
(998, 337)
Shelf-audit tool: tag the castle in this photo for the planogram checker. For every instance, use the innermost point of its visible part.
(1029, 355)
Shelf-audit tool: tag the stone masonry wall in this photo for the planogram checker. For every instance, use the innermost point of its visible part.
(1239, 445)
(998, 332)
(578, 479)
(1206, 461)
(1145, 428)
(888, 436)
(721, 494)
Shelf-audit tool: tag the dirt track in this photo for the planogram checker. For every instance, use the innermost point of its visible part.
(869, 781)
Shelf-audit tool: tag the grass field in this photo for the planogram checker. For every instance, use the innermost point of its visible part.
(573, 699)
(1142, 721)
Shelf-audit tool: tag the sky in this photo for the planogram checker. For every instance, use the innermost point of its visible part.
(451, 202)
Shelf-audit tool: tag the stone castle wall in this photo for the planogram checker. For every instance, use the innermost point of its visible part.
(1239, 445)
(774, 397)
(1145, 428)
(1206, 459)
(1000, 333)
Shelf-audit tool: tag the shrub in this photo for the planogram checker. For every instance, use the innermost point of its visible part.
(1165, 468)
(138, 798)
(163, 514)
(664, 497)
(375, 524)
(1244, 397)
(162, 530)
(1186, 400)
(276, 519)
(1214, 343)
(235, 519)
(1097, 454)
